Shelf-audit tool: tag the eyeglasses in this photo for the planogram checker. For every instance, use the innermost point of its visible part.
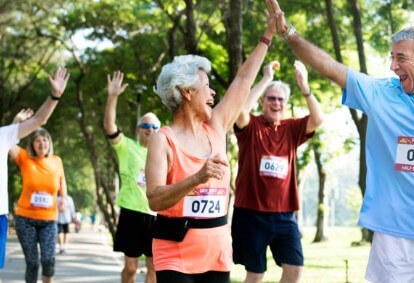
(274, 99)
(146, 126)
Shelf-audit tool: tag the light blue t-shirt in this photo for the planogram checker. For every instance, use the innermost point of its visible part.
(388, 205)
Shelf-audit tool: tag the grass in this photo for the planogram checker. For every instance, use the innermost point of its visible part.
(325, 261)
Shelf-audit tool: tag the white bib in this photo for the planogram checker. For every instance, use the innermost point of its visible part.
(141, 181)
(41, 199)
(206, 203)
(405, 154)
(274, 166)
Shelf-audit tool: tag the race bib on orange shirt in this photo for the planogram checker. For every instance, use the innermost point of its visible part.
(41, 199)
(205, 203)
(405, 154)
(274, 166)
(141, 181)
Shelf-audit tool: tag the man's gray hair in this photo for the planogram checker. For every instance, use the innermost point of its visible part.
(404, 34)
(181, 72)
(280, 86)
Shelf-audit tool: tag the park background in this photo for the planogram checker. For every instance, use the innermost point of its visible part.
(93, 38)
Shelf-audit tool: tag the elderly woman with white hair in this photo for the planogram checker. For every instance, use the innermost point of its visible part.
(187, 172)
(36, 213)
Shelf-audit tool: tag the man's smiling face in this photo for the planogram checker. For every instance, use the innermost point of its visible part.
(402, 64)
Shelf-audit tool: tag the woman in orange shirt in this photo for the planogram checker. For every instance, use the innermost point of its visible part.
(187, 171)
(36, 213)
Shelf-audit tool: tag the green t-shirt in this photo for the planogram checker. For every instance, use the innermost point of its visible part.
(133, 193)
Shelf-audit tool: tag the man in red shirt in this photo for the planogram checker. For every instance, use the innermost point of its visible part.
(266, 187)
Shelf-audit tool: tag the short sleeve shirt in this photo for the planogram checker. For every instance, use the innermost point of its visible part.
(41, 182)
(388, 205)
(133, 192)
(266, 178)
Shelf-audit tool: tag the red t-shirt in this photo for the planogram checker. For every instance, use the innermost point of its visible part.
(266, 178)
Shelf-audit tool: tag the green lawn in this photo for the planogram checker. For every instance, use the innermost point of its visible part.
(324, 262)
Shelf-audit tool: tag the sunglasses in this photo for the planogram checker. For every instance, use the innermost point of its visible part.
(146, 126)
(274, 99)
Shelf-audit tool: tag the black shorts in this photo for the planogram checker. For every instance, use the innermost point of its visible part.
(63, 228)
(253, 231)
(133, 236)
(170, 276)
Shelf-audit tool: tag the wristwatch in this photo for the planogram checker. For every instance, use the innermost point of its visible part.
(289, 32)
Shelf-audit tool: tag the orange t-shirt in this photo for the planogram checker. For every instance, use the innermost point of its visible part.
(41, 182)
(201, 250)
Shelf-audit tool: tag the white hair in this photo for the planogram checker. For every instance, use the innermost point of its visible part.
(280, 86)
(181, 72)
(149, 115)
(404, 34)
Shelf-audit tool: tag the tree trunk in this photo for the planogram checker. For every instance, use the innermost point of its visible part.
(320, 227)
(361, 122)
(104, 190)
(232, 19)
(190, 39)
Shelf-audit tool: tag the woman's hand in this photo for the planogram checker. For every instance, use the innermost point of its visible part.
(271, 18)
(59, 81)
(212, 168)
(22, 116)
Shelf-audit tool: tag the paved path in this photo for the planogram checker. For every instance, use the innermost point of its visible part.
(89, 258)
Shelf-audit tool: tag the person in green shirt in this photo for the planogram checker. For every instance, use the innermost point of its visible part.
(133, 235)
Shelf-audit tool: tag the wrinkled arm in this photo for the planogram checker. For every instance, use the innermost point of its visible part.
(309, 53)
(161, 195)
(316, 114)
(115, 88)
(319, 60)
(268, 72)
(13, 152)
(58, 83)
(315, 110)
(227, 111)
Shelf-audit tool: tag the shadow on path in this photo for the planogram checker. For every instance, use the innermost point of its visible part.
(89, 258)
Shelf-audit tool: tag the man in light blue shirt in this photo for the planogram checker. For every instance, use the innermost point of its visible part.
(388, 205)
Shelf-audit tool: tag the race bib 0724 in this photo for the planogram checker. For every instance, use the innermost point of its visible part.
(206, 203)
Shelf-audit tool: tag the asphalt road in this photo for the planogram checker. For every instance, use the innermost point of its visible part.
(89, 258)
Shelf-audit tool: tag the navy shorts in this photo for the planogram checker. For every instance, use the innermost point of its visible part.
(253, 231)
(133, 236)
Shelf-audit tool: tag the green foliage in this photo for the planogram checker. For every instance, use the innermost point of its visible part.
(94, 38)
